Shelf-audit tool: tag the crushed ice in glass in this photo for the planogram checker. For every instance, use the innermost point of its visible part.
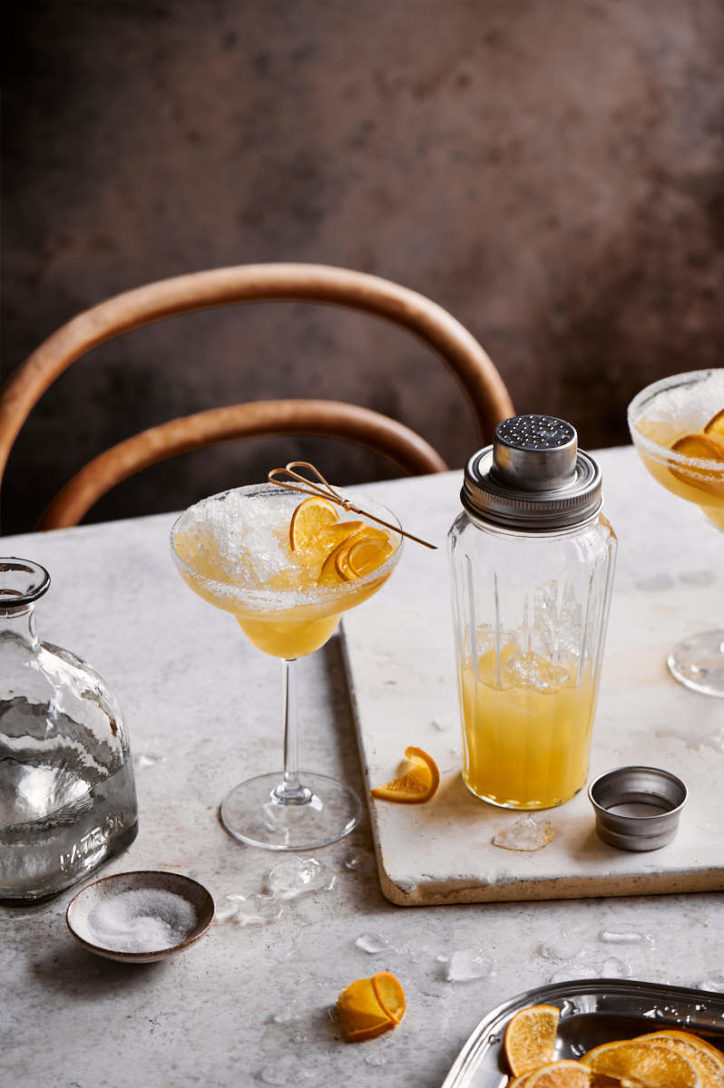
(525, 834)
(466, 964)
(298, 876)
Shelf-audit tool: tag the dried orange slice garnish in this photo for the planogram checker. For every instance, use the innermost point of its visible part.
(715, 425)
(359, 1009)
(308, 519)
(702, 447)
(367, 553)
(530, 1038)
(416, 784)
(708, 1060)
(646, 1065)
(560, 1074)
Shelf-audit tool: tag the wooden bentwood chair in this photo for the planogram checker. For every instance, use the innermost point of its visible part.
(245, 283)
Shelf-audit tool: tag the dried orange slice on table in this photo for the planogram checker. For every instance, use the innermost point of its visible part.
(369, 1007)
(530, 1038)
(417, 784)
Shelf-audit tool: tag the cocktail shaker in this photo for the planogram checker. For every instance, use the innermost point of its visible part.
(532, 560)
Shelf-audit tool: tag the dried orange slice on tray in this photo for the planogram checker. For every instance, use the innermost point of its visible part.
(530, 1038)
(560, 1074)
(643, 1064)
(417, 784)
(708, 1060)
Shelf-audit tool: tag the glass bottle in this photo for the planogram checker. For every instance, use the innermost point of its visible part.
(67, 793)
(532, 561)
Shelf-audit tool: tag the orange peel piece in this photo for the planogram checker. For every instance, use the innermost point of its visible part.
(530, 1037)
(360, 1010)
(644, 1064)
(560, 1074)
(417, 784)
(308, 520)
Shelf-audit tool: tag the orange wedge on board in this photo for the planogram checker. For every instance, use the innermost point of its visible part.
(530, 1038)
(643, 1064)
(308, 520)
(361, 1013)
(416, 784)
(561, 1074)
(708, 1060)
(715, 425)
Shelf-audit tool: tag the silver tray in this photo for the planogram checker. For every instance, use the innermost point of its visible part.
(593, 1011)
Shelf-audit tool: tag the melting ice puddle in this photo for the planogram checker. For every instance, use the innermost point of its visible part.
(624, 935)
(693, 740)
(525, 834)
(251, 910)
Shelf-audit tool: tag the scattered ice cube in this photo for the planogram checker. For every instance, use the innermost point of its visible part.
(298, 876)
(227, 910)
(713, 982)
(375, 1059)
(372, 943)
(467, 964)
(254, 910)
(624, 934)
(525, 834)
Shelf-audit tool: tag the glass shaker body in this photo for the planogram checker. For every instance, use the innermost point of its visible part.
(67, 792)
(530, 608)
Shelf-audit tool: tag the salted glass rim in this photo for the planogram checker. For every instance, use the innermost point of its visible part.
(645, 397)
(264, 597)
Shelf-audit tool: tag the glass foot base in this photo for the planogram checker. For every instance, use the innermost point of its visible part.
(698, 663)
(253, 814)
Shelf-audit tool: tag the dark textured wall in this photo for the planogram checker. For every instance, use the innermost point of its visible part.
(551, 171)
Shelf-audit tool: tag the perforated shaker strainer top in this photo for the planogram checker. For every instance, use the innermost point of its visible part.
(533, 477)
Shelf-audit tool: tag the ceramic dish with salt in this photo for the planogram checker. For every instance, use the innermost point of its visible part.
(140, 917)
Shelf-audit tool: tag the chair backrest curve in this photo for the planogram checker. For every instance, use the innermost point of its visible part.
(255, 282)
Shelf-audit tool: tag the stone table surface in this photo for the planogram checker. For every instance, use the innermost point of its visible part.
(250, 1005)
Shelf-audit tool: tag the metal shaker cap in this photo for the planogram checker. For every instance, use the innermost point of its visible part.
(533, 477)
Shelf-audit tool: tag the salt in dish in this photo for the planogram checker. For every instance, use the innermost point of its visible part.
(140, 917)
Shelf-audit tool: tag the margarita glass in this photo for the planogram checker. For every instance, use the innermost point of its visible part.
(677, 426)
(236, 550)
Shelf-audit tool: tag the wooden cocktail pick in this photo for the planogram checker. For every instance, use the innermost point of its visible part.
(322, 488)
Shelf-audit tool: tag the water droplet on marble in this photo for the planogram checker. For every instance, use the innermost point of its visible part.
(563, 946)
(286, 1016)
(359, 861)
(372, 943)
(375, 1059)
(525, 834)
(467, 964)
(570, 971)
(442, 724)
(298, 876)
(613, 967)
(227, 911)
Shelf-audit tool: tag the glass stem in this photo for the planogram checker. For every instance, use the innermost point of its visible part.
(290, 791)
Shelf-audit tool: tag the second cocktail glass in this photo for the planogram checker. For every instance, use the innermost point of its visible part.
(237, 551)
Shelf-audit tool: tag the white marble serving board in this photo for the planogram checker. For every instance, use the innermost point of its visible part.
(401, 673)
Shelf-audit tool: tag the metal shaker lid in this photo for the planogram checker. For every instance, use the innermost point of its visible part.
(533, 477)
